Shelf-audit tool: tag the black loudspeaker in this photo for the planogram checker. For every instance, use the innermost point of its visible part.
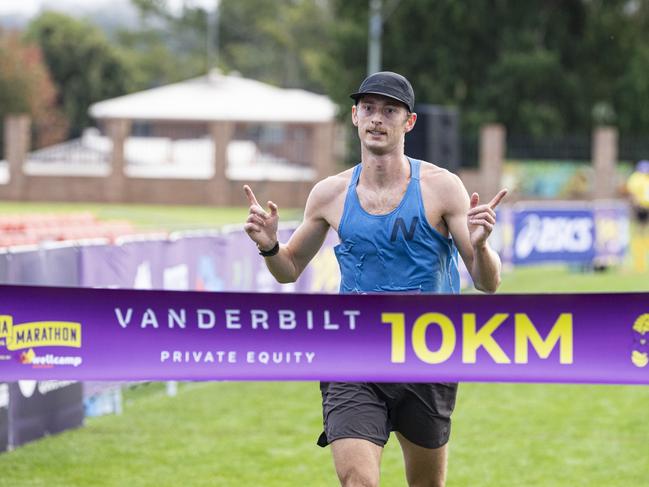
(436, 136)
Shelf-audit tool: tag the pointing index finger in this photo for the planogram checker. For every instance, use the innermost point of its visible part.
(497, 199)
(250, 195)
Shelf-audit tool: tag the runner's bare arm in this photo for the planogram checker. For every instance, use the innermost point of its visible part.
(470, 224)
(293, 257)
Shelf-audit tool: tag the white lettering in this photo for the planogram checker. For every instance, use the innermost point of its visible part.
(287, 319)
(259, 317)
(27, 387)
(206, 319)
(149, 318)
(266, 358)
(180, 318)
(124, 321)
(4, 395)
(232, 319)
(327, 322)
(52, 385)
(352, 314)
(199, 356)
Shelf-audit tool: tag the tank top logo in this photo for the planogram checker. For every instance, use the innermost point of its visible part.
(409, 233)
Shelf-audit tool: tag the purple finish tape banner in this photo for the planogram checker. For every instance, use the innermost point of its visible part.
(93, 334)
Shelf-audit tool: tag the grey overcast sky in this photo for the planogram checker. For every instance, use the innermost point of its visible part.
(32, 7)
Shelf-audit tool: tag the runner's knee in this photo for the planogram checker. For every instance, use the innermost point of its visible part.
(432, 482)
(355, 477)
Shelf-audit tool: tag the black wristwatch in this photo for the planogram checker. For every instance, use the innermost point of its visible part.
(271, 252)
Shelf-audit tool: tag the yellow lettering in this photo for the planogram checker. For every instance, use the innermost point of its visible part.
(561, 332)
(473, 340)
(45, 333)
(398, 322)
(5, 325)
(419, 338)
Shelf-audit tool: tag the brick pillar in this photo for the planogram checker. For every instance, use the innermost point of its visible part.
(492, 155)
(604, 158)
(17, 142)
(322, 149)
(118, 130)
(219, 186)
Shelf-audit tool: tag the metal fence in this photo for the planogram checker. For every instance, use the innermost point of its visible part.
(633, 148)
(470, 151)
(575, 147)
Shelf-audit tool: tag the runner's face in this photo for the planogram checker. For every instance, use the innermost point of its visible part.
(382, 123)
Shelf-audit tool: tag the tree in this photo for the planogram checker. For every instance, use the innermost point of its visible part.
(283, 43)
(84, 66)
(542, 67)
(26, 87)
(278, 42)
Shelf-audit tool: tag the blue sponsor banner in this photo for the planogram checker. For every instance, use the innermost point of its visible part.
(613, 231)
(554, 235)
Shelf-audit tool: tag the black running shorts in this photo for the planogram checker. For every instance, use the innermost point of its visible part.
(641, 214)
(421, 412)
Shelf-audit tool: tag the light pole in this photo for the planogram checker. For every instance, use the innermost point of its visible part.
(374, 38)
(211, 8)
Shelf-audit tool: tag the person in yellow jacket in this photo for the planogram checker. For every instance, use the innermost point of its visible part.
(638, 189)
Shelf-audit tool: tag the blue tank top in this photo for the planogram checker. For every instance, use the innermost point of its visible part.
(395, 252)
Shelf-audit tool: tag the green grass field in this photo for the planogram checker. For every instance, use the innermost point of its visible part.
(149, 217)
(263, 434)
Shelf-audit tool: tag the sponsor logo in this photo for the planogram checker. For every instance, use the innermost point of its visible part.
(408, 233)
(640, 352)
(39, 334)
(49, 360)
(553, 235)
(25, 337)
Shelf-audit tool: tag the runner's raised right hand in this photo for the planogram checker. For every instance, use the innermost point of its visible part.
(261, 226)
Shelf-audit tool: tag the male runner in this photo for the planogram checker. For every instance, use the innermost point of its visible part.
(401, 223)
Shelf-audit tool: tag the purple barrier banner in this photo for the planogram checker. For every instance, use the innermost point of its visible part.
(4, 417)
(47, 265)
(38, 408)
(4, 266)
(107, 334)
(189, 263)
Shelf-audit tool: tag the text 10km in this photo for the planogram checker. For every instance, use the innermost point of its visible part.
(525, 334)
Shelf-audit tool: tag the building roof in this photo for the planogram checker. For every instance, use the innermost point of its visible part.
(217, 97)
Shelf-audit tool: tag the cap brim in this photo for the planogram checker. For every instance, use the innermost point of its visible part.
(356, 96)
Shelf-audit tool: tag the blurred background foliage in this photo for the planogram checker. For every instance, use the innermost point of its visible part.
(542, 68)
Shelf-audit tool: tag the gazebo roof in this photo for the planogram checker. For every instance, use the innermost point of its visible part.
(217, 97)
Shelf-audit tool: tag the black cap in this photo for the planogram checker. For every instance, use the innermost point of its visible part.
(388, 84)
